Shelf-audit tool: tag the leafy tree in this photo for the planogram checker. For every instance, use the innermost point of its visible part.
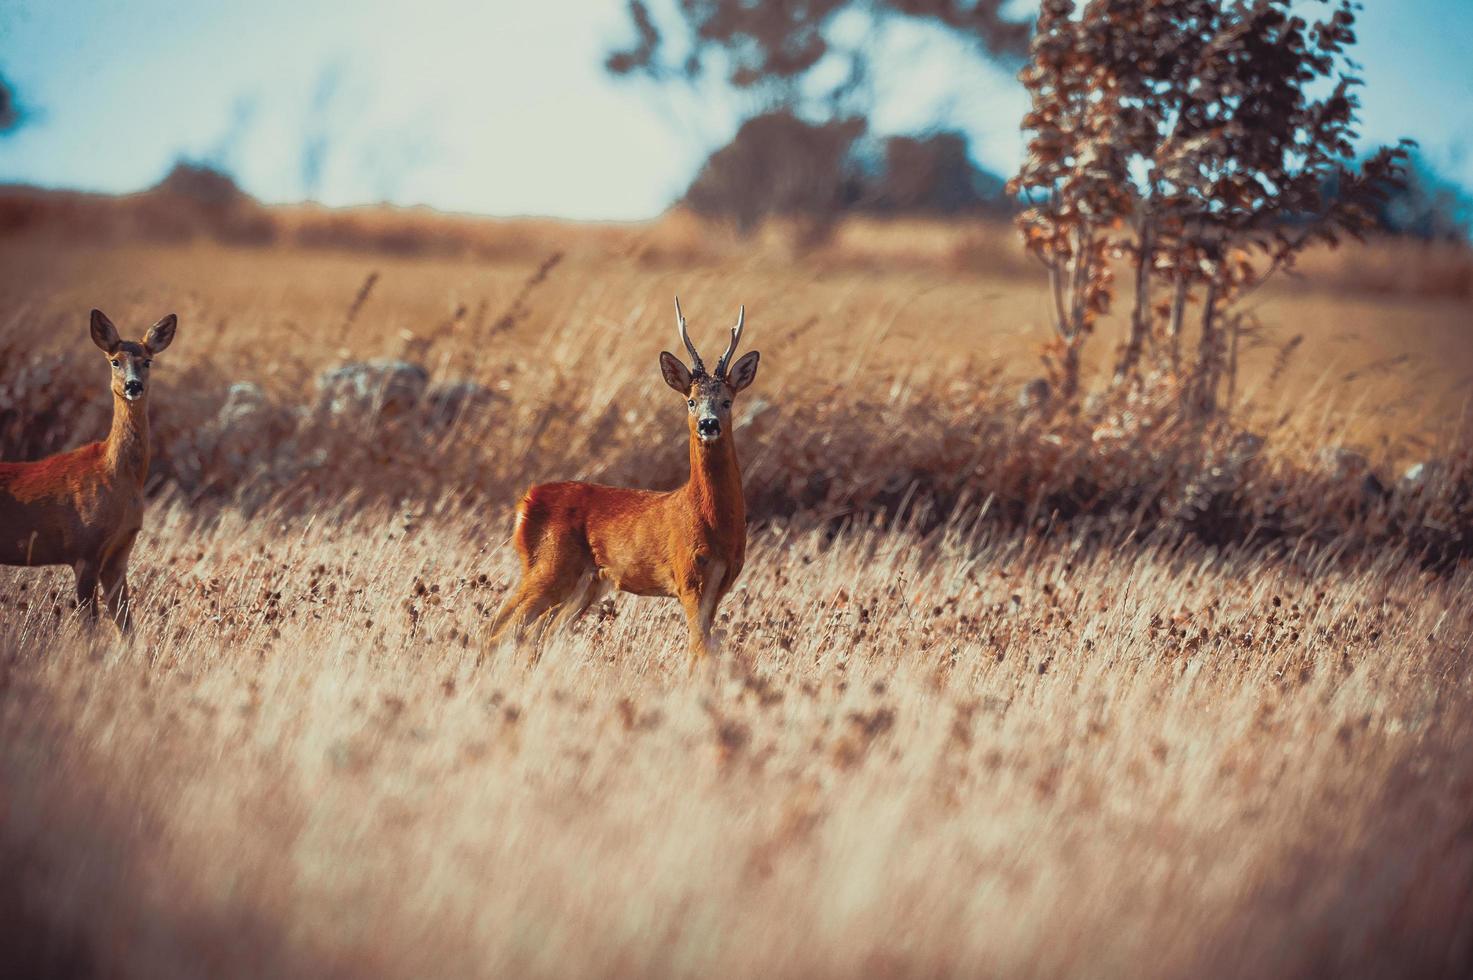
(1426, 205)
(1198, 140)
(771, 50)
(930, 174)
(777, 163)
(801, 72)
(10, 114)
(780, 164)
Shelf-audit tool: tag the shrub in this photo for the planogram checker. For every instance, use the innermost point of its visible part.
(1194, 140)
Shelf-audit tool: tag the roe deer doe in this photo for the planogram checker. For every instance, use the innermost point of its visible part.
(577, 540)
(84, 508)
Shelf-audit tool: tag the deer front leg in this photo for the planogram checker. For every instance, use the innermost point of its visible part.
(115, 595)
(699, 638)
(86, 572)
(114, 576)
(700, 599)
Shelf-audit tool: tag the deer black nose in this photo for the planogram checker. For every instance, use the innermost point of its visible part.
(133, 387)
(709, 427)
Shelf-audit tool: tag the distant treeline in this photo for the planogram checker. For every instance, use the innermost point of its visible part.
(779, 165)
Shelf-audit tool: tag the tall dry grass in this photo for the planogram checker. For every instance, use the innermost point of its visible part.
(957, 753)
(1004, 689)
(539, 371)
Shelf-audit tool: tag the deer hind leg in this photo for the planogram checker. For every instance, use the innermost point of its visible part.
(502, 622)
(114, 575)
(86, 572)
(558, 599)
(538, 592)
(512, 618)
(547, 584)
(590, 589)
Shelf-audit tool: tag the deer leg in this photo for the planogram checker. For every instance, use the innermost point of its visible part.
(589, 590)
(521, 606)
(691, 600)
(542, 589)
(711, 592)
(700, 601)
(86, 571)
(552, 607)
(506, 615)
(114, 575)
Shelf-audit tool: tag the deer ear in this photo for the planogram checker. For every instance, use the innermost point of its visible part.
(743, 372)
(104, 334)
(161, 334)
(676, 374)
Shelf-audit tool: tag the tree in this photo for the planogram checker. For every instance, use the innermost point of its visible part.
(1198, 141)
(802, 75)
(933, 174)
(10, 113)
(777, 163)
(780, 164)
(1426, 205)
(771, 50)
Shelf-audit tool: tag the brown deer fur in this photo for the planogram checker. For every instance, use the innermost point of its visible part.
(577, 540)
(84, 508)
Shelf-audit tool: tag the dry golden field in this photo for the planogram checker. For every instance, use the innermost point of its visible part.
(1001, 692)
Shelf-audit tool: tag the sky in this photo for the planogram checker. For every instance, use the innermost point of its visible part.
(502, 106)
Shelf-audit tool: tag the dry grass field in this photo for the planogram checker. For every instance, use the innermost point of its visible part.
(1001, 692)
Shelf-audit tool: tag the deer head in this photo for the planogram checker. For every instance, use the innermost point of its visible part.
(130, 360)
(709, 396)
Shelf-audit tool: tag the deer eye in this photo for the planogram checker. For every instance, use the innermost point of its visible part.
(117, 363)
(690, 402)
(726, 404)
(148, 363)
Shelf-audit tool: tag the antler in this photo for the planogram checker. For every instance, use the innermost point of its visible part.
(736, 335)
(697, 366)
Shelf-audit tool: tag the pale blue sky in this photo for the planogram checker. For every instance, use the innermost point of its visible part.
(503, 107)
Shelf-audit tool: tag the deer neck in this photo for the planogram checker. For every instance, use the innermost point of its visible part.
(127, 442)
(715, 484)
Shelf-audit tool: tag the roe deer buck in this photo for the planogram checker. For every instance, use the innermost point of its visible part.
(84, 508)
(577, 540)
